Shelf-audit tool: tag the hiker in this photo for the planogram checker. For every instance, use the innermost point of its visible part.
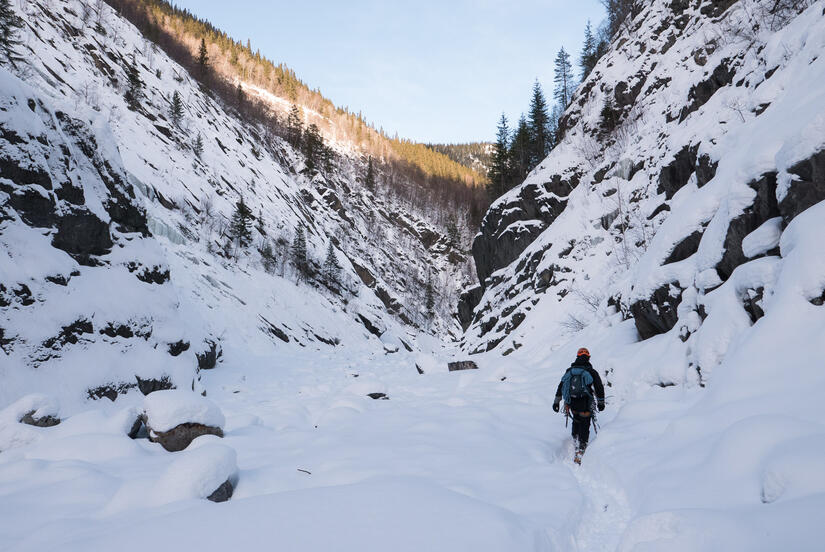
(577, 388)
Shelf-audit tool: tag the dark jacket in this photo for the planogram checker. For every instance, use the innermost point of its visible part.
(597, 389)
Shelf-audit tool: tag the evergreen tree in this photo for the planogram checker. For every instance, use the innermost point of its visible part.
(294, 126)
(176, 109)
(10, 25)
(520, 152)
(313, 145)
(555, 131)
(326, 158)
(563, 79)
(611, 115)
(203, 58)
(588, 57)
(134, 86)
(240, 226)
(539, 135)
(500, 170)
(268, 257)
(240, 96)
(617, 12)
(369, 179)
(299, 251)
(453, 233)
(198, 146)
(260, 226)
(429, 296)
(331, 269)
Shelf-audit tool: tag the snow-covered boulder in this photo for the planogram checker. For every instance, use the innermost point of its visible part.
(208, 471)
(35, 410)
(32, 410)
(461, 365)
(175, 417)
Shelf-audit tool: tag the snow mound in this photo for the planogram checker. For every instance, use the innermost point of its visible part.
(13, 434)
(428, 364)
(763, 239)
(41, 405)
(196, 473)
(381, 514)
(94, 448)
(167, 409)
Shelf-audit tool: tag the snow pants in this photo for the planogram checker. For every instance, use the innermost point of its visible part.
(581, 429)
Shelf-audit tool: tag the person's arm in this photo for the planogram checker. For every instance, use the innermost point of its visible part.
(597, 384)
(598, 388)
(557, 400)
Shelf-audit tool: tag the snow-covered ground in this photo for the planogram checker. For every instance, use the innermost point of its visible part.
(471, 460)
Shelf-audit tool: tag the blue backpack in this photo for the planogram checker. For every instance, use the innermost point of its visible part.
(576, 384)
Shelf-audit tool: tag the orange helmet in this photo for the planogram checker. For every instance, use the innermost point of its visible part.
(583, 352)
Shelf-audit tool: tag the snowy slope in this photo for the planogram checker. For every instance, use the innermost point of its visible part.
(214, 295)
(715, 122)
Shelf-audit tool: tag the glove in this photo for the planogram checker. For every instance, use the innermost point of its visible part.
(600, 405)
(556, 405)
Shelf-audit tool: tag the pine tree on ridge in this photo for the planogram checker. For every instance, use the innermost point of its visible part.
(331, 269)
(500, 171)
(176, 109)
(10, 26)
(563, 79)
(203, 58)
(539, 136)
(369, 179)
(134, 86)
(239, 229)
(588, 57)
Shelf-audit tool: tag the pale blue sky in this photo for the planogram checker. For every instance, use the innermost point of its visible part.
(434, 71)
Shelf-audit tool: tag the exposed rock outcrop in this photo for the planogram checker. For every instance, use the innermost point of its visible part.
(461, 365)
(208, 358)
(657, 314)
(806, 188)
(515, 221)
(180, 436)
(676, 174)
(150, 385)
(467, 303)
(33, 418)
(764, 207)
(222, 493)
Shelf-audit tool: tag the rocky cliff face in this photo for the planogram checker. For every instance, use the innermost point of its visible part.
(115, 230)
(79, 266)
(696, 140)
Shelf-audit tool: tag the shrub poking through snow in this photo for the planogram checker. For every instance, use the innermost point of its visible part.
(174, 418)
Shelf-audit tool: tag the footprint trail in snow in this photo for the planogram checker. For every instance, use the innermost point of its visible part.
(605, 512)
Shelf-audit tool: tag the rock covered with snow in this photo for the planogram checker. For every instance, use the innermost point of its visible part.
(21, 420)
(35, 410)
(461, 365)
(174, 418)
(208, 471)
